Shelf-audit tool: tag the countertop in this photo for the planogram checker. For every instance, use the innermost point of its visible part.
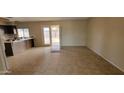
(18, 40)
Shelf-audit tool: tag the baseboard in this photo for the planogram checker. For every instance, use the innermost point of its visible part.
(106, 59)
(4, 72)
(74, 46)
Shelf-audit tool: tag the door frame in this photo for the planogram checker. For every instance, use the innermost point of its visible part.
(59, 33)
(43, 43)
(42, 34)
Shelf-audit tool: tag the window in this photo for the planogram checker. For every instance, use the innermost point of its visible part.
(23, 32)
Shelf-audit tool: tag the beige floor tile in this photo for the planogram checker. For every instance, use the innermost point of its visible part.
(69, 61)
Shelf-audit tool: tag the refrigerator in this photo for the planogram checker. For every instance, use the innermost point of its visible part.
(3, 61)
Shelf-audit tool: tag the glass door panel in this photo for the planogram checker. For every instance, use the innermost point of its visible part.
(46, 33)
(55, 37)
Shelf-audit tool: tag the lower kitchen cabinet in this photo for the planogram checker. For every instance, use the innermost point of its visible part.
(17, 47)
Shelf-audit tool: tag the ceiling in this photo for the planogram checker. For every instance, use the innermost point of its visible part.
(22, 19)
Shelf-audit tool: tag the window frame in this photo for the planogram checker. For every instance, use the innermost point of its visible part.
(23, 28)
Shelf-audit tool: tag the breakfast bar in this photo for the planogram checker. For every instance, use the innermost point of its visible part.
(18, 46)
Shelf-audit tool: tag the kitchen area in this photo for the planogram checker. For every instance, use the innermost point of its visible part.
(15, 41)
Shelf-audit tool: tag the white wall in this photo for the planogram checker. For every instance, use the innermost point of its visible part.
(73, 33)
(106, 38)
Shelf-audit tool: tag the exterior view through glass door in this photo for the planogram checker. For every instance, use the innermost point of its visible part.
(46, 35)
(51, 36)
(55, 36)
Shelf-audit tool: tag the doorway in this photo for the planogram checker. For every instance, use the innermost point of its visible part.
(46, 35)
(51, 36)
(55, 37)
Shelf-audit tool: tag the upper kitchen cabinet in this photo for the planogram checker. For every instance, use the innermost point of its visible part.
(10, 29)
(7, 26)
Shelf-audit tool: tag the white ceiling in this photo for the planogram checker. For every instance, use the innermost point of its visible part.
(44, 18)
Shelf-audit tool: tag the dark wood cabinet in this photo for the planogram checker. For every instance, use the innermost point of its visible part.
(9, 29)
(8, 49)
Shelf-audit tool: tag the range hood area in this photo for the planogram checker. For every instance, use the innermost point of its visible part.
(9, 29)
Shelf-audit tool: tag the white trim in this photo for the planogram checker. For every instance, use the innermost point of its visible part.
(106, 59)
